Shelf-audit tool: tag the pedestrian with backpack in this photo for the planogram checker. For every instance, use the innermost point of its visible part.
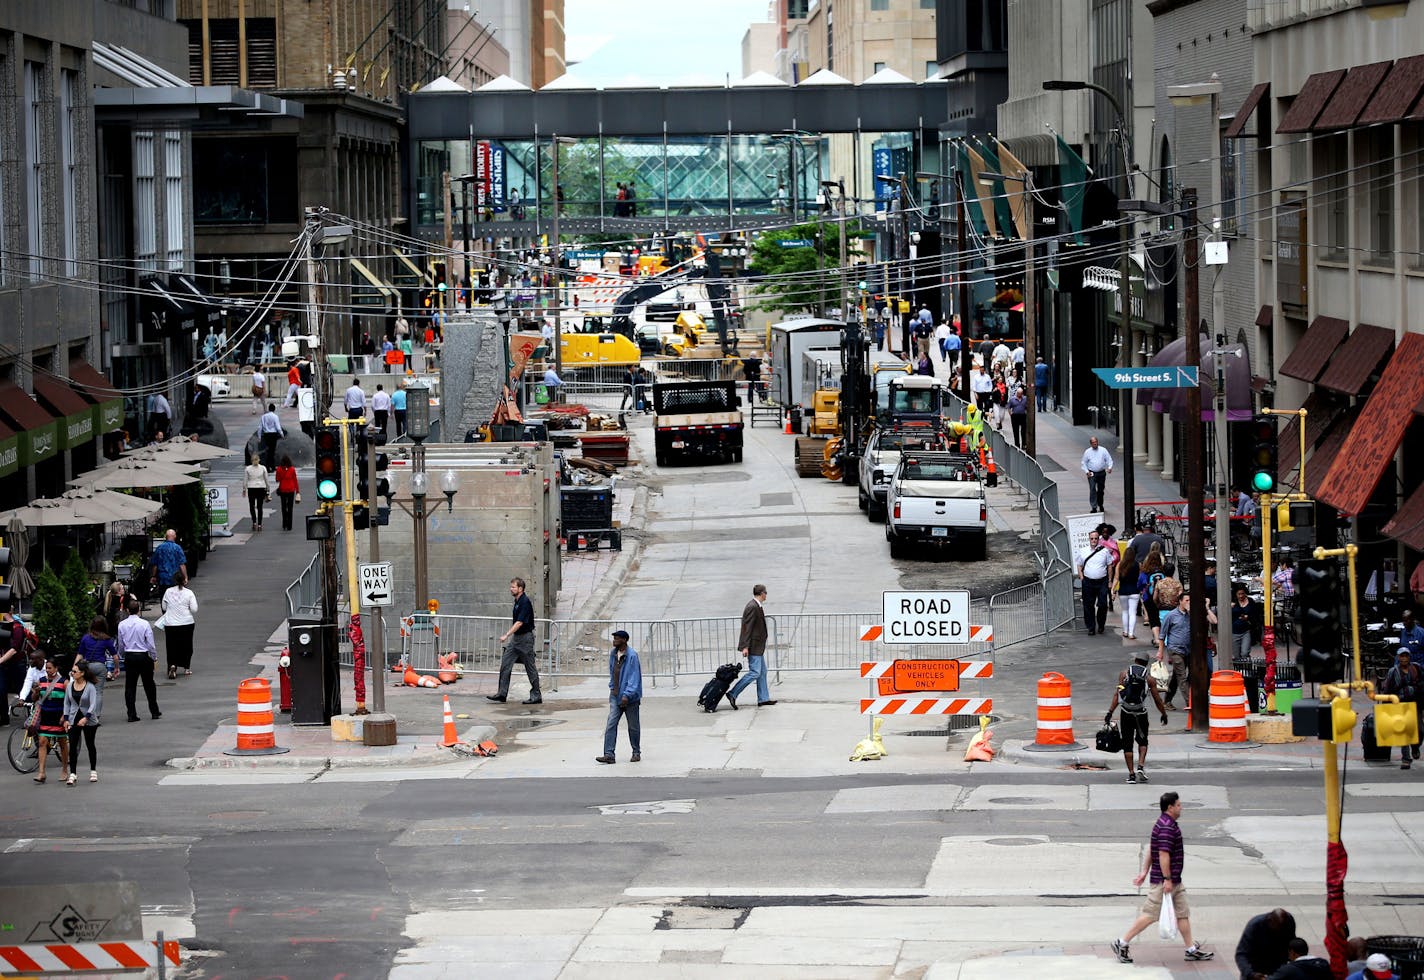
(1403, 682)
(1133, 686)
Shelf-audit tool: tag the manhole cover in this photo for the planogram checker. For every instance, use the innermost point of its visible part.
(1012, 841)
(955, 723)
(1020, 800)
(237, 814)
(530, 723)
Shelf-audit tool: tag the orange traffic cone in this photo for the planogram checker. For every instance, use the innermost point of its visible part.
(451, 736)
(993, 470)
(788, 424)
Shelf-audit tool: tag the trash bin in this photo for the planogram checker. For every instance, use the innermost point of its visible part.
(796, 421)
(586, 508)
(1252, 671)
(1406, 953)
(1288, 686)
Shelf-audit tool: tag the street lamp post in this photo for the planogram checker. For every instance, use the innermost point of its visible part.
(556, 141)
(1129, 488)
(465, 181)
(417, 403)
(1184, 96)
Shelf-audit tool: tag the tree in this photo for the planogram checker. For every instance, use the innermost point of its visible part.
(54, 619)
(77, 588)
(799, 277)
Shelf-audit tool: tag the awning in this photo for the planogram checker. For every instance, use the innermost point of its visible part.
(37, 429)
(1318, 466)
(1173, 401)
(107, 400)
(177, 306)
(9, 450)
(1312, 98)
(384, 294)
(1396, 93)
(1357, 359)
(1238, 125)
(421, 277)
(1351, 97)
(1265, 316)
(150, 94)
(208, 307)
(1407, 524)
(1321, 411)
(75, 415)
(1310, 356)
(1376, 435)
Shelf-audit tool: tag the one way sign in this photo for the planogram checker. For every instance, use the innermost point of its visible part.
(375, 583)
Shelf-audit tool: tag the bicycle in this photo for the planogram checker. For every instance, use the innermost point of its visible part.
(24, 744)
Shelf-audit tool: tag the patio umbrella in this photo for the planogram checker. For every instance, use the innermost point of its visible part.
(120, 506)
(131, 474)
(18, 540)
(179, 451)
(1174, 400)
(58, 512)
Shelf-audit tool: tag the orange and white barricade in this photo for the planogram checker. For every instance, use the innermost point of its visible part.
(1226, 716)
(80, 958)
(1055, 711)
(256, 730)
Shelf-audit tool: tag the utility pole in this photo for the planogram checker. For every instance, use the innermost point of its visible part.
(377, 639)
(1129, 399)
(558, 268)
(317, 326)
(844, 283)
(966, 351)
(1197, 668)
(1030, 346)
(1224, 597)
(353, 580)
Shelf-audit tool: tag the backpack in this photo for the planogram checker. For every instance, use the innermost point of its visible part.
(1166, 592)
(1132, 692)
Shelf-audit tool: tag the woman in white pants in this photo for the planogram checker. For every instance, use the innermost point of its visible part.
(1127, 594)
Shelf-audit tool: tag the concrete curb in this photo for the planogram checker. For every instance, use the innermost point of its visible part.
(423, 756)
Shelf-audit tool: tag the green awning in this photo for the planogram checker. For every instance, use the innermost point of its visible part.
(74, 415)
(97, 389)
(9, 451)
(36, 428)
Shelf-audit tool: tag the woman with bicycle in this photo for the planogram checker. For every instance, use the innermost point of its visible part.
(49, 699)
(82, 704)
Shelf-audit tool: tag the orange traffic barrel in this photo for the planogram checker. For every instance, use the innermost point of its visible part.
(1055, 710)
(256, 734)
(1226, 716)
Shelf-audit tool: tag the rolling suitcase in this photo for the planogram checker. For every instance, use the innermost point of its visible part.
(716, 689)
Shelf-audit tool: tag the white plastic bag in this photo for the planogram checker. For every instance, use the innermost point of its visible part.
(1167, 921)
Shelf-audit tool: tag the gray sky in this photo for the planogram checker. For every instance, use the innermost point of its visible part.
(668, 43)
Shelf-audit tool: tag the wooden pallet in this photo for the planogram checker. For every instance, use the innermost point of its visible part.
(810, 454)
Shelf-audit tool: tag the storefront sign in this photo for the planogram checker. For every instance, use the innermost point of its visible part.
(77, 429)
(9, 455)
(39, 444)
(217, 507)
(111, 415)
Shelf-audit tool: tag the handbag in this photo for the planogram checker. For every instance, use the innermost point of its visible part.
(161, 623)
(299, 496)
(1167, 921)
(1109, 738)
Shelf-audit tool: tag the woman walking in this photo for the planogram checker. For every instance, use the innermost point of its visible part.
(82, 704)
(180, 607)
(50, 695)
(97, 648)
(254, 480)
(1129, 592)
(1148, 575)
(287, 489)
(113, 609)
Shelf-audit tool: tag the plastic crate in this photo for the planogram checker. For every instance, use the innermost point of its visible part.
(586, 508)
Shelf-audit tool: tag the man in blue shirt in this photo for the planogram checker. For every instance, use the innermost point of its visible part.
(168, 559)
(398, 408)
(625, 693)
(1040, 383)
(1411, 635)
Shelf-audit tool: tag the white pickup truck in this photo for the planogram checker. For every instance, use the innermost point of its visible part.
(882, 455)
(937, 498)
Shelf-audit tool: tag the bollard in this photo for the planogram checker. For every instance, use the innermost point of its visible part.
(1055, 710)
(1226, 709)
(256, 734)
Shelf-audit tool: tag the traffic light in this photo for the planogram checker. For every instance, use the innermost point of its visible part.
(328, 462)
(1264, 463)
(1319, 586)
(1342, 720)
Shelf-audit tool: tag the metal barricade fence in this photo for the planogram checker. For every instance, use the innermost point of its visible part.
(425, 637)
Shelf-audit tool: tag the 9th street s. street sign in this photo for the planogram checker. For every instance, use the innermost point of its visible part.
(1180, 376)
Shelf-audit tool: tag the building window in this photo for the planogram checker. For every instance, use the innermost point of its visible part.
(5, 102)
(225, 51)
(927, 4)
(879, 4)
(830, 37)
(931, 69)
(1414, 193)
(1377, 149)
(1233, 180)
(34, 165)
(173, 198)
(879, 67)
(70, 97)
(145, 214)
(1333, 177)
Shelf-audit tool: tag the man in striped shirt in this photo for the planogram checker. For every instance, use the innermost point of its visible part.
(1163, 865)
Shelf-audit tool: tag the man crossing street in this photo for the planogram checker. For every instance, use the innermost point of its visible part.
(1163, 866)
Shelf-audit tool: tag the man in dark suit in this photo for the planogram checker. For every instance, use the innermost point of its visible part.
(752, 645)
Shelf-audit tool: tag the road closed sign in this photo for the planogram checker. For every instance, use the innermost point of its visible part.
(926, 617)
